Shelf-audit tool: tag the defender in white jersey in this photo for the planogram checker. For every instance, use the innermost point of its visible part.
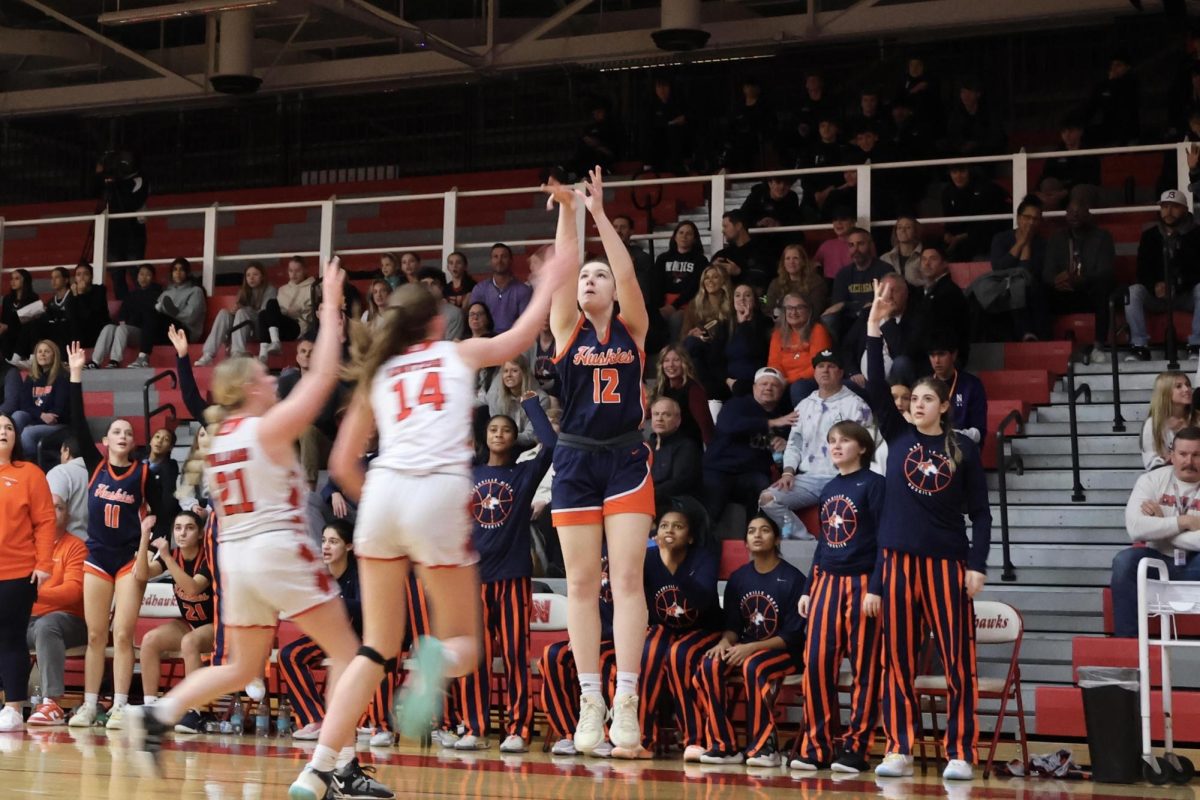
(267, 566)
(418, 392)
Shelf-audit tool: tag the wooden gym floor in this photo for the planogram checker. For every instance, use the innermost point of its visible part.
(64, 765)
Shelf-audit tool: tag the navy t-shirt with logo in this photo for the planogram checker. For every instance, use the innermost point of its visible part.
(759, 606)
(848, 544)
(685, 600)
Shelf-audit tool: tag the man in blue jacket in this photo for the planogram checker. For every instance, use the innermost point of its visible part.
(968, 400)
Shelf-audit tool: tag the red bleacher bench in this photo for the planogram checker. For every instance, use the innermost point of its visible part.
(1060, 714)
(1051, 355)
(1028, 385)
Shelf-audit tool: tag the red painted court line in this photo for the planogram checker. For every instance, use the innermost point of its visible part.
(865, 786)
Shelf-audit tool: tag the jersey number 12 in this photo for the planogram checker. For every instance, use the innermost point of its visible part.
(605, 381)
(430, 394)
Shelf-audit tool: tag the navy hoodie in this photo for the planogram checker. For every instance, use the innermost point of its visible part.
(758, 607)
(851, 506)
(687, 599)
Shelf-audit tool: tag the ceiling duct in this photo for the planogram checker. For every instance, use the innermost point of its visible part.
(233, 72)
(681, 29)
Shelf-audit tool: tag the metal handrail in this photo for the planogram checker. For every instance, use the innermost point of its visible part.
(1119, 296)
(147, 413)
(1073, 392)
(1008, 573)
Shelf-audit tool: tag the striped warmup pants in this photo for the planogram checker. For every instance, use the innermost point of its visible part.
(657, 677)
(560, 684)
(686, 653)
(298, 660)
(506, 605)
(761, 673)
(210, 547)
(921, 593)
(838, 629)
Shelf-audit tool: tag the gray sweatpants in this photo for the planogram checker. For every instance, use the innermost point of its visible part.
(50, 637)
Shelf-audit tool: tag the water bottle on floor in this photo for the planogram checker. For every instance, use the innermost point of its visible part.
(262, 719)
(283, 722)
(237, 717)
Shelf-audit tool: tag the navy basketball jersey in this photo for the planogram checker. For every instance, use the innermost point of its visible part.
(601, 382)
(196, 610)
(115, 500)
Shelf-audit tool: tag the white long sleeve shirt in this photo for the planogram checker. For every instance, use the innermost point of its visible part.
(1174, 497)
(807, 446)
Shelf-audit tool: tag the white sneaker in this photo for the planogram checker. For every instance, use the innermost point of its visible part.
(84, 717)
(564, 747)
(10, 719)
(204, 360)
(958, 770)
(364, 733)
(309, 733)
(590, 730)
(603, 750)
(1098, 356)
(625, 731)
(513, 744)
(116, 719)
(804, 766)
(383, 739)
(895, 765)
(767, 758)
(692, 753)
(471, 742)
(141, 362)
(445, 738)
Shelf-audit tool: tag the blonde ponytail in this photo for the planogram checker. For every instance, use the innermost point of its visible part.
(229, 393)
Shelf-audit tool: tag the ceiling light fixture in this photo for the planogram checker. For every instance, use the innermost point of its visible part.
(177, 10)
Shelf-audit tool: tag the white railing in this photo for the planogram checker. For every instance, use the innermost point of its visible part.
(716, 185)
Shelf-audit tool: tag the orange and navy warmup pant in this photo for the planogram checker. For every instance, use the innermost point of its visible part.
(686, 654)
(560, 684)
(506, 605)
(838, 629)
(656, 674)
(210, 547)
(297, 662)
(417, 624)
(762, 674)
(921, 593)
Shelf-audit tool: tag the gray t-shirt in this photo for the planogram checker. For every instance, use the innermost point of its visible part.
(69, 481)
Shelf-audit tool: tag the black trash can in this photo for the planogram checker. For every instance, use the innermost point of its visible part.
(1114, 727)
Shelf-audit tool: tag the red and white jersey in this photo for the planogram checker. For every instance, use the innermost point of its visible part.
(422, 401)
(252, 493)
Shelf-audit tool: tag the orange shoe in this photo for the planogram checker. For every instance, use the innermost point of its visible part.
(48, 713)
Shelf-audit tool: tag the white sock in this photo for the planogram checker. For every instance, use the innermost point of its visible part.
(589, 685)
(323, 758)
(274, 334)
(344, 757)
(150, 700)
(91, 699)
(167, 710)
(627, 683)
(120, 700)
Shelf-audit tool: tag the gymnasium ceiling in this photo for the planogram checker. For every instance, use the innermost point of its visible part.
(58, 55)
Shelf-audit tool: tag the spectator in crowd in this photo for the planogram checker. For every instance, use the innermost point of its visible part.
(377, 300)
(1113, 111)
(910, 139)
(410, 265)
(1065, 176)
(843, 196)
(56, 624)
(1163, 513)
(459, 284)
(1168, 273)
(313, 445)
(797, 273)
(797, 337)
(972, 128)
(252, 298)
(743, 256)
(123, 190)
(905, 255)
(807, 465)
(969, 195)
(541, 361)
(1171, 411)
(940, 307)
(1079, 271)
(480, 326)
(137, 322)
(27, 561)
(901, 351)
(650, 281)
(750, 431)
(815, 107)
(827, 150)
(924, 93)
(600, 142)
(20, 295)
(1020, 254)
(968, 399)
(182, 304)
(435, 280)
(677, 379)
(1186, 102)
(706, 325)
(158, 458)
(670, 130)
(505, 396)
(834, 254)
(69, 479)
(853, 287)
(680, 267)
(55, 324)
(675, 469)
(290, 315)
(10, 387)
(748, 347)
(42, 409)
(504, 295)
(872, 113)
(750, 131)
(88, 307)
(389, 270)
(772, 204)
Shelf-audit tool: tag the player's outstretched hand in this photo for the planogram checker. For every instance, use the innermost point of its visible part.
(76, 359)
(593, 192)
(559, 193)
(179, 340)
(332, 281)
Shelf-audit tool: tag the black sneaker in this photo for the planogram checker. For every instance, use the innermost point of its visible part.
(312, 784)
(719, 756)
(1193, 350)
(1138, 354)
(145, 733)
(355, 782)
(851, 763)
(192, 722)
(91, 365)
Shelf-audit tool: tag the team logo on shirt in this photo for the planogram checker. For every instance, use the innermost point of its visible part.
(492, 503)
(760, 613)
(839, 521)
(927, 471)
(672, 607)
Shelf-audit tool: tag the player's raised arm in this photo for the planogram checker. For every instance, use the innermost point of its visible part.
(629, 293)
(564, 309)
(346, 455)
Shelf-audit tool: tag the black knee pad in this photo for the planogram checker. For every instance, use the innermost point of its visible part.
(373, 655)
